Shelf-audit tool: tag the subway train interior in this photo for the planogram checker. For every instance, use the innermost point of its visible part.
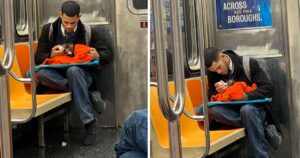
(267, 30)
(46, 125)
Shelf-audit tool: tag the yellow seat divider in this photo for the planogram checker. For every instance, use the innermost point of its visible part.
(20, 100)
(192, 137)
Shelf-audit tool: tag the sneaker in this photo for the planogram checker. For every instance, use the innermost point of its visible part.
(98, 103)
(273, 136)
(91, 133)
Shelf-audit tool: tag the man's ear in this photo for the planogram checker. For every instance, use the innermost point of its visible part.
(222, 55)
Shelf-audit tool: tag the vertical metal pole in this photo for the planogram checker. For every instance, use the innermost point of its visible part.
(41, 131)
(174, 126)
(6, 141)
(175, 139)
(162, 80)
(6, 144)
(200, 36)
(9, 36)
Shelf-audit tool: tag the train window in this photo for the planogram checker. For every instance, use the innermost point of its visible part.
(20, 17)
(138, 6)
(93, 12)
(188, 35)
(1, 23)
(168, 34)
(261, 38)
(1, 26)
(192, 53)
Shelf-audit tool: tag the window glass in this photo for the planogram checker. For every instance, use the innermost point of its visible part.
(264, 40)
(93, 12)
(192, 53)
(138, 6)
(1, 24)
(168, 35)
(20, 17)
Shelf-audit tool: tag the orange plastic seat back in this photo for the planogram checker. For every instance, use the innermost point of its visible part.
(22, 55)
(23, 58)
(189, 128)
(194, 87)
(16, 87)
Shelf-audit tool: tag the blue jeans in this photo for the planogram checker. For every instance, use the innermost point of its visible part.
(73, 79)
(133, 140)
(250, 116)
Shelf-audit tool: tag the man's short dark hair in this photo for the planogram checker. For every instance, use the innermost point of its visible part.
(70, 8)
(211, 54)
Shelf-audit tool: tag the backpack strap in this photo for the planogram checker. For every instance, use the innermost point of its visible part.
(88, 32)
(50, 31)
(246, 66)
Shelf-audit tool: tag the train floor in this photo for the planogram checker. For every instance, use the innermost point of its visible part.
(65, 145)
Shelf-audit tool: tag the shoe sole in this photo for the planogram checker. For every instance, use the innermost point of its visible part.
(98, 104)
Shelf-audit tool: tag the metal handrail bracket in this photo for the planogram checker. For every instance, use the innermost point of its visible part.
(31, 80)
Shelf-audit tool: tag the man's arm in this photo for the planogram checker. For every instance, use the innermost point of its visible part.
(44, 49)
(264, 85)
(211, 84)
(98, 43)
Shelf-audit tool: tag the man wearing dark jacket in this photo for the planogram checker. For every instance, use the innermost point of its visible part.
(224, 66)
(68, 29)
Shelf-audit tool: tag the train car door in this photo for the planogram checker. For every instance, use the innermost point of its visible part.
(131, 57)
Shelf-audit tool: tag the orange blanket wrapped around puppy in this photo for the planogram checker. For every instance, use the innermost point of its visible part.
(80, 55)
(234, 92)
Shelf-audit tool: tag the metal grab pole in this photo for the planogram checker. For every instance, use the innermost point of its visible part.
(32, 63)
(9, 49)
(178, 56)
(9, 36)
(200, 35)
(6, 143)
(31, 80)
(162, 77)
(174, 126)
(171, 113)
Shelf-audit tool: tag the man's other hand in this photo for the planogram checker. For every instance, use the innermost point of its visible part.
(221, 86)
(57, 50)
(93, 53)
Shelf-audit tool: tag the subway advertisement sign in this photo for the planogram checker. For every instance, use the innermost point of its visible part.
(235, 14)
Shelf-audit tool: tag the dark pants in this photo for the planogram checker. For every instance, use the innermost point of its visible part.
(73, 79)
(250, 116)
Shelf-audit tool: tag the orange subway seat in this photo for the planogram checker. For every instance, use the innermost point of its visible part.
(191, 134)
(21, 100)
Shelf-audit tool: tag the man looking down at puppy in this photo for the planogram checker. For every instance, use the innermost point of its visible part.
(68, 29)
(226, 66)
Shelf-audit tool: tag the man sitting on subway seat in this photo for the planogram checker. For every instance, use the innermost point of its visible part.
(257, 118)
(68, 29)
